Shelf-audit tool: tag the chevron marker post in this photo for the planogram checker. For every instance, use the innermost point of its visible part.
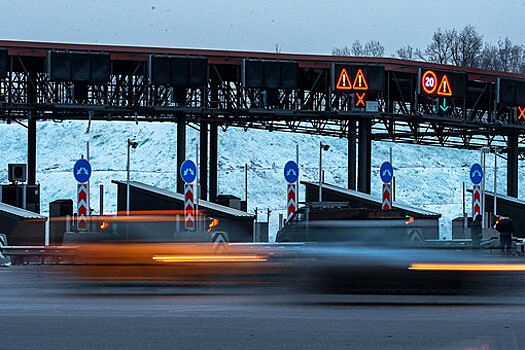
(82, 206)
(387, 197)
(292, 200)
(189, 207)
(476, 200)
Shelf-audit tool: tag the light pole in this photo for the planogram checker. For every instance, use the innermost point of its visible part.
(484, 151)
(322, 147)
(131, 144)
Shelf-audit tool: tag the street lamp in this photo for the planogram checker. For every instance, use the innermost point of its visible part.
(131, 144)
(322, 147)
(484, 151)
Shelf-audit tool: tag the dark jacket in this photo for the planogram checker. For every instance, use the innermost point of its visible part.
(505, 226)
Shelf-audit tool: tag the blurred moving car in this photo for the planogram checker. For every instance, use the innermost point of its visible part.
(325, 223)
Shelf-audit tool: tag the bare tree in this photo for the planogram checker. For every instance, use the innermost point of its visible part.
(440, 49)
(409, 53)
(466, 47)
(357, 49)
(343, 51)
(374, 49)
(505, 57)
(371, 49)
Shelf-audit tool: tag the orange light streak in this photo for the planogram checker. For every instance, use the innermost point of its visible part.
(209, 258)
(467, 267)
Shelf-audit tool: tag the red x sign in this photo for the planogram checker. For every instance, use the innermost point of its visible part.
(360, 99)
(521, 116)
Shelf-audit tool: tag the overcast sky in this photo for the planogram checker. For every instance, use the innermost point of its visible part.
(298, 26)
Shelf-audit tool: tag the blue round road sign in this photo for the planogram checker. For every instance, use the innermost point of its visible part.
(476, 174)
(188, 171)
(386, 172)
(82, 170)
(291, 172)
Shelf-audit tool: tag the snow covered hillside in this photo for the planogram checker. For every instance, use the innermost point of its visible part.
(426, 177)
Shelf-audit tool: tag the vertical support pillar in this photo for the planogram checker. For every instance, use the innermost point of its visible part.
(352, 154)
(512, 166)
(181, 153)
(203, 162)
(31, 151)
(365, 157)
(214, 155)
(31, 130)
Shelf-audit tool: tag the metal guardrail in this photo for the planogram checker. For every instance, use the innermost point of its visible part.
(20, 255)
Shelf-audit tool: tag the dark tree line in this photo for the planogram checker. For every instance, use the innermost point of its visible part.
(464, 47)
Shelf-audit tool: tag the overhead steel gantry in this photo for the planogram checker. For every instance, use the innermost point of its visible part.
(358, 98)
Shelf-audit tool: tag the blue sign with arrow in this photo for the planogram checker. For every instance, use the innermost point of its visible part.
(291, 172)
(476, 174)
(188, 171)
(82, 170)
(386, 172)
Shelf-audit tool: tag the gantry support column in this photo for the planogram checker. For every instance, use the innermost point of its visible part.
(365, 157)
(31, 150)
(352, 154)
(31, 131)
(214, 155)
(203, 162)
(181, 152)
(512, 166)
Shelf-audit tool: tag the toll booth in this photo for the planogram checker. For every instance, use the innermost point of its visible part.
(237, 223)
(356, 199)
(505, 206)
(21, 226)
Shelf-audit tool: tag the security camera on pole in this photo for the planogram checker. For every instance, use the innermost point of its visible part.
(386, 172)
(188, 172)
(82, 173)
(291, 174)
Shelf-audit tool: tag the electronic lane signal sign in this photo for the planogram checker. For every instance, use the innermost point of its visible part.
(358, 78)
(521, 113)
(445, 84)
(343, 83)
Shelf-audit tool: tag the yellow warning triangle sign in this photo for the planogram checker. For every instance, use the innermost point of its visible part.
(344, 81)
(360, 81)
(444, 87)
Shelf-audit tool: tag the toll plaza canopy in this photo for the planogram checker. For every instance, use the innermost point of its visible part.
(358, 98)
(357, 199)
(238, 224)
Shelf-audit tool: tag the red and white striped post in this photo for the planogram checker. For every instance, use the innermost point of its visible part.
(387, 197)
(476, 200)
(189, 206)
(292, 200)
(82, 206)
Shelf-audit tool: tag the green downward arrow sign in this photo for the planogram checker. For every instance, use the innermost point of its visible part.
(444, 106)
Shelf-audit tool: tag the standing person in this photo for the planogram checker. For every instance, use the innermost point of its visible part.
(476, 231)
(505, 227)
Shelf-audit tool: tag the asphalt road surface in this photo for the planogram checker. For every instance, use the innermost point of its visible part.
(36, 312)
